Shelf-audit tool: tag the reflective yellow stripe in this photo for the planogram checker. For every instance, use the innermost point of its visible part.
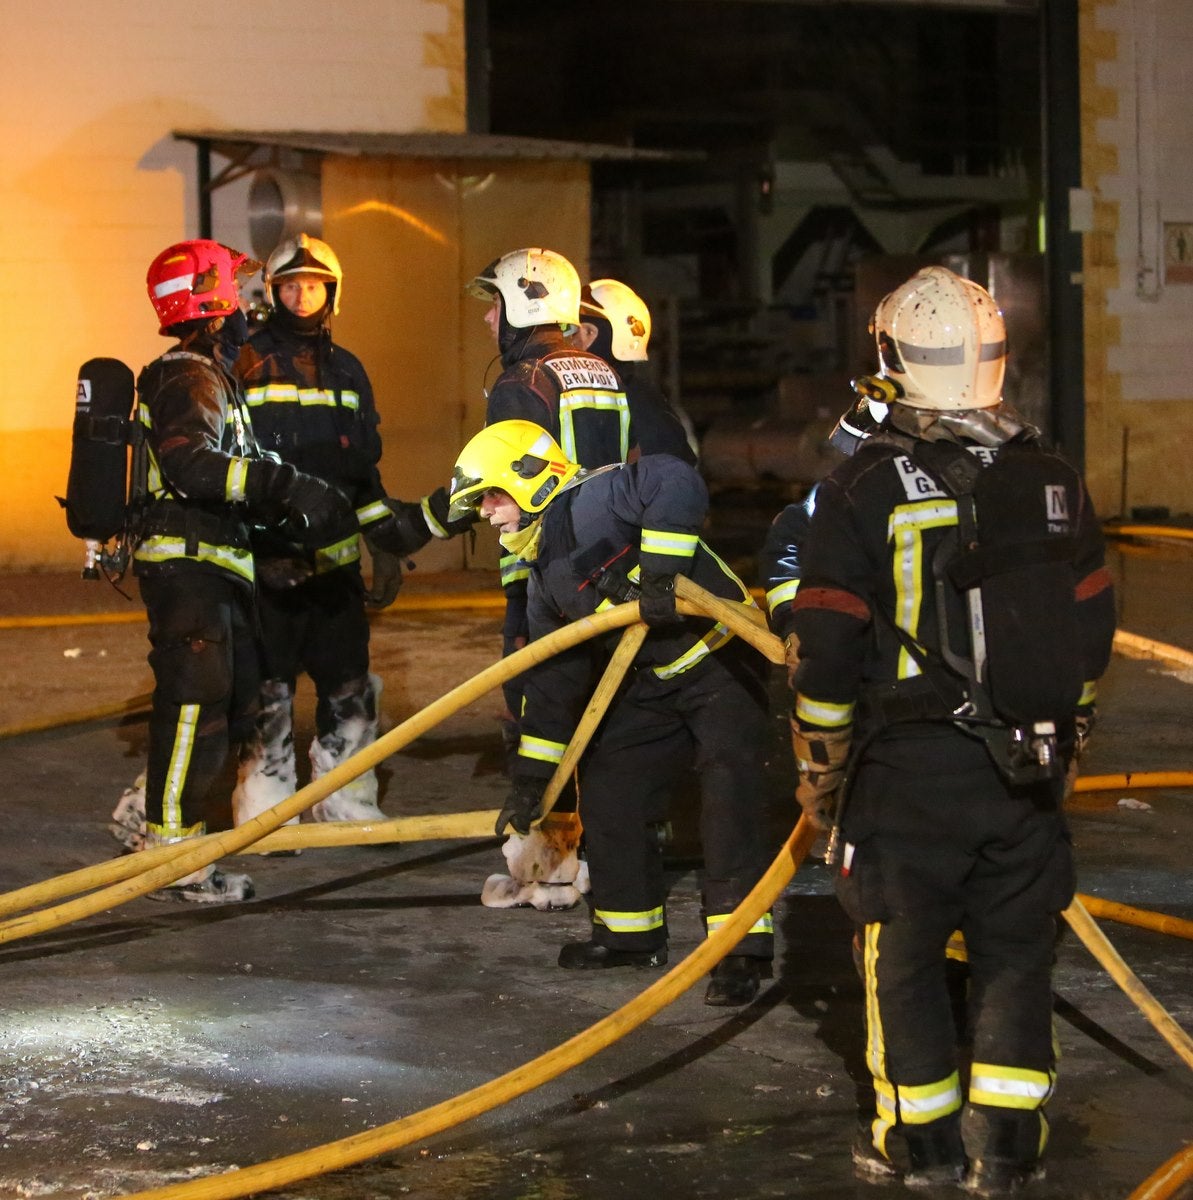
(955, 947)
(180, 761)
(929, 1101)
(629, 922)
(764, 924)
(875, 1042)
(288, 393)
(436, 529)
(714, 639)
(905, 530)
(571, 402)
(238, 473)
(164, 834)
(1009, 1087)
(822, 713)
(658, 541)
(512, 569)
(1089, 692)
(781, 594)
(164, 547)
(540, 749)
(367, 514)
(338, 554)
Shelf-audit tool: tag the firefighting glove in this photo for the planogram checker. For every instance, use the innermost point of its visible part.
(387, 576)
(791, 658)
(656, 602)
(278, 495)
(523, 805)
(435, 507)
(820, 756)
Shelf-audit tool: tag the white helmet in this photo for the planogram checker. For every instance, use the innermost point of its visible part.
(942, 340)
(628, 315)
(305, 255)
(539, 287)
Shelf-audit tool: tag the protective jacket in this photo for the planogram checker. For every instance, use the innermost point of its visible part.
(936, 836)
(312, 404)
(779, 561)
(696, 698)
(655, 426)
(199, 443)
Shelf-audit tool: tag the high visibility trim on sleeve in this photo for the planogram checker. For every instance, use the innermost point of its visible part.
(234, 483)
(437, 530)
(660, 541)
(370, 514)
(783, 593)
(338, 554)
(822, 713)
(540, 749)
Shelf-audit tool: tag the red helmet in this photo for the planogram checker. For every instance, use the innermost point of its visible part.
(196, 279)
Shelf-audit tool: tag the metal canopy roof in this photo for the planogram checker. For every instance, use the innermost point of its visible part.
(234, 143)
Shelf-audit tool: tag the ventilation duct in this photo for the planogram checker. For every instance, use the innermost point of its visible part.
(282, 204)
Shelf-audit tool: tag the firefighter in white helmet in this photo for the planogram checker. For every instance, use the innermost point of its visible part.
(615, 323)
(312, 404)
(953, 613)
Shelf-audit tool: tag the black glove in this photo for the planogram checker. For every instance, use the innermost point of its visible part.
(523, 805)
(438, 503)
(656, 604)
(279, 495)
(387, 576)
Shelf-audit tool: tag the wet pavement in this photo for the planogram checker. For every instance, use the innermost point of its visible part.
(154, 1044)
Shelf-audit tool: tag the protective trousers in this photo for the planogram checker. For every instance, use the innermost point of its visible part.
(204, 666)
(710, 720)
(936, 841)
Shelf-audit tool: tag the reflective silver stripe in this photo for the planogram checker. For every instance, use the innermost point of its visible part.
(1008, 1087)
(238, 473)
(781, 594)
(162, 547)
(929, 1101)
(714, 639)
(905, 529)
(512, 569)
(765, 923)
(378, 510)
(822, 712)
(629, 922)
(540, 749)
(338, 554)
(288, 393)
(657, 541)
(180, 283)
(180, 761)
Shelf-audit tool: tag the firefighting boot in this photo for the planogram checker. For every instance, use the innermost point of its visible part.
(207, 885)
(871, 1164)
(1006, 1149)
(735, 981)
(591, 956)
(266, 774)
(353, 726)
(935, 1152)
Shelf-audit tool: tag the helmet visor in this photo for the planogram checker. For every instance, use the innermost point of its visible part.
(465, 493)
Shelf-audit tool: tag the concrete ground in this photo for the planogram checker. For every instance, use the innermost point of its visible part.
(153, 1044)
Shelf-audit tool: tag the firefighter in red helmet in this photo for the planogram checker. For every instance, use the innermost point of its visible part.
(205, 480)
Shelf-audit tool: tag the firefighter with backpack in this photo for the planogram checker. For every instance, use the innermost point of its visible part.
(953, 614)
(205, 480)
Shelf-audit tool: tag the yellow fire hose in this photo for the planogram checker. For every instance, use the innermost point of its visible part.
(1147, 531)
(168, 863)
(1134, 780)
(118, 708)
(1165, 1182)
(383, 1139)
(1144, 918)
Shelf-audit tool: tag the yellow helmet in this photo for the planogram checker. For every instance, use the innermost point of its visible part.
(626, 313)
(517, 457)
(942, 340)
(305, 255)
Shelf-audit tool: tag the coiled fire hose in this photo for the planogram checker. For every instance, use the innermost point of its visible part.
(319, 1160)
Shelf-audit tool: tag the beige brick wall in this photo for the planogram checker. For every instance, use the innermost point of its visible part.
(92, 185)
(1136, 78)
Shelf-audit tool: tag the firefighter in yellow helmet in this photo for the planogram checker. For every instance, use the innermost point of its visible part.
(953, 613)
(696, 696)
